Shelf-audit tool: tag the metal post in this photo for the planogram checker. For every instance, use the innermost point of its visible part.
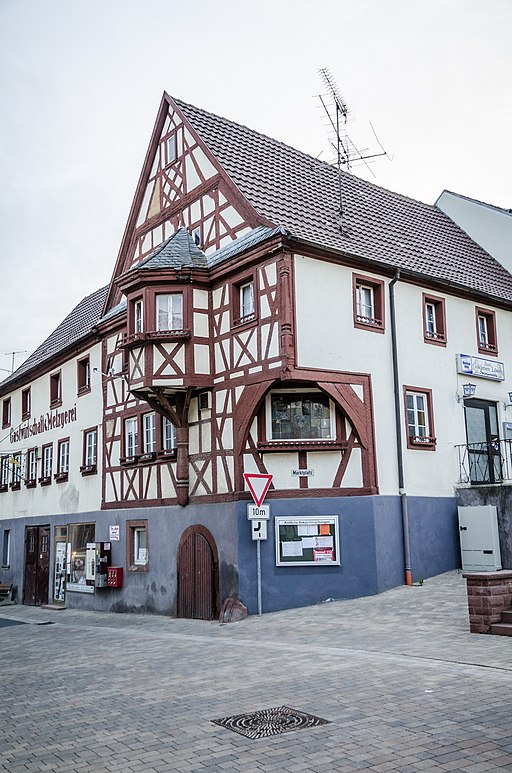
(258, 560)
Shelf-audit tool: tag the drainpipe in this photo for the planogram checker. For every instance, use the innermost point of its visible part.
(398, 426)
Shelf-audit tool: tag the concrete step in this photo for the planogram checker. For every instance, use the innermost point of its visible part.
(506, 617)
(502, 629)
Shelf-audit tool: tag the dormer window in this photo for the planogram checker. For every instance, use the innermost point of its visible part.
(138, 316)
(169, 311)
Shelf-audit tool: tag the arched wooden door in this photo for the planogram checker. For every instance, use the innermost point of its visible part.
(198, 577)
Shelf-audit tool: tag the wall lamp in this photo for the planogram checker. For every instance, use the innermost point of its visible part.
(468, 390)
(509, 404)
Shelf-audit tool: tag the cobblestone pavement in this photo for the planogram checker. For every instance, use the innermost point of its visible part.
(403, 683)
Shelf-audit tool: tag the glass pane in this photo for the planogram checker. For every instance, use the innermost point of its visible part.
(475, 425)
(300, 416)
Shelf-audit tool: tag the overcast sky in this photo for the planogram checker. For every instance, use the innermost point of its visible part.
(81, 82)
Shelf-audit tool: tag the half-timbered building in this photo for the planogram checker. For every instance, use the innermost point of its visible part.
(256, 321)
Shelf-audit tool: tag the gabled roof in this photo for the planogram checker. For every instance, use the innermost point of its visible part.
(76, 326)
(294, 190)
(177, 251)
(446, 192)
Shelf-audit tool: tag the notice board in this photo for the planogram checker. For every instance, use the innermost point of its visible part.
(307, 541)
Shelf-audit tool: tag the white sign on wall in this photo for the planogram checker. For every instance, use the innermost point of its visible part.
(467, 365)
(114, 533)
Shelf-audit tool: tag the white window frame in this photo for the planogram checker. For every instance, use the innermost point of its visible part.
(171, 151)
(16, 468)
(365, 304)
(47, 461)
(169, 311)
(63, 460)
(4, 472)
(31, 464)
(430, 318)
(131, 436)
(148, 433)
(420, 430)
(91, 448)
(136, 545)
(247, 300)
(268, 416)
(483, 330)
(138, 316)
(168, 434)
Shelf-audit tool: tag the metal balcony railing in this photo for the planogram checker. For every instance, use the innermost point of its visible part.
(489, 462)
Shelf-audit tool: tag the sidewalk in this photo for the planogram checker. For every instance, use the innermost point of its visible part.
(404, 686)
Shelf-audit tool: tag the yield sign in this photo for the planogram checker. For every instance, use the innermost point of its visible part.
(259, 484)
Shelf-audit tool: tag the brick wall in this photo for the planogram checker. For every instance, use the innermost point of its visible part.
(489, 594)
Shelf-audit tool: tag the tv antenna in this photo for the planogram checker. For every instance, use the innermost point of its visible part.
(346, 151)
(13, 355)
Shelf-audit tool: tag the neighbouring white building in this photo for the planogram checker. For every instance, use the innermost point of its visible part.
(365, 368)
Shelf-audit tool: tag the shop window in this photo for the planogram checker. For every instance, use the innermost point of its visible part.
(6, 412)
(368, 303)
(31, 469)
(149, 435)
(25, 403)
(16, 471)
(90, 452)
(419, 417)
(168, 436)
(486, 331)
(83, 375)
(62, 460)
(6, 549)
(300, 415)
(434, 320)
(46, 465)
(137, 554)
(169, 311)
(55, 390)
(4, 473)
(79, 537)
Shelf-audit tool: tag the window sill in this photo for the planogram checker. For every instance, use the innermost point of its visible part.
(6, 425)
(369, 323)
(60, 477)
(31, 483)
(45, 481)
(427, 443)
(15, 486)
(134, 339)
(25, 416)
(167, 454)
(56, 403)
(88, 469)
(128, 461)
(438, 339)
(138, 568)
(83, 390)
(4, 487)
(248, 321)
(488, 350)
(301, 445)
(149, 456)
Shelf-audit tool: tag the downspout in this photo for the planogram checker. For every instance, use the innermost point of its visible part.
(398, 426)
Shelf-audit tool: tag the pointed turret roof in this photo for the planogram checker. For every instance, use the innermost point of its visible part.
(177, 251)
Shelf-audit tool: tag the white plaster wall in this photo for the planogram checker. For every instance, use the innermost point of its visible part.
(489, 226)
(326, 338)
(78, 493)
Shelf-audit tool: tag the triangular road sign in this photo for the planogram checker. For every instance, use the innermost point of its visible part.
(259, 484)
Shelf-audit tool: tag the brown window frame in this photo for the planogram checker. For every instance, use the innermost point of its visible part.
(26, 403)
(56, 389)
(438, 338)
(429, 442)
(6, 412)
(131, 526)
(83, 375)
(490, 321)
(377, 323)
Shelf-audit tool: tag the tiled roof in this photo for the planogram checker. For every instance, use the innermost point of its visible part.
(177, 251)
(300, 193)
(77, 325)
(256, 236)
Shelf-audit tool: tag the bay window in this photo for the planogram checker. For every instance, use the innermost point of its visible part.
(300, 415)
(169, 311)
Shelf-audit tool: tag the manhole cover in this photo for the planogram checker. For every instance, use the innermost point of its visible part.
(261, 724)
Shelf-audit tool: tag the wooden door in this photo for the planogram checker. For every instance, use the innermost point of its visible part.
(197, 575)
(37, 565)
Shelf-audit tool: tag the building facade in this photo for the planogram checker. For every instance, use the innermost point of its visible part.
(254, 325)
